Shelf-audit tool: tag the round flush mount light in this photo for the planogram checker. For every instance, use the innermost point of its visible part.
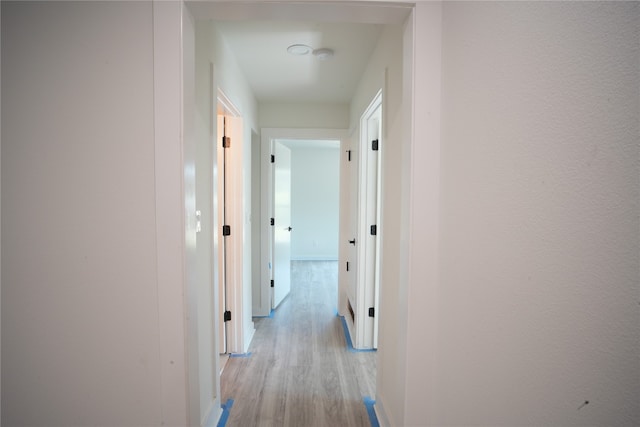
(323, 53)
(299, 49)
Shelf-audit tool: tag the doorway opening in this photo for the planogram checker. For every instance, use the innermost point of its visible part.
(353, 13)
(313, 184)
(310, 232)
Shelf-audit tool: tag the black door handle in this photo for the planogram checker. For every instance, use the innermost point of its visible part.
(289, 228)
(353, 242)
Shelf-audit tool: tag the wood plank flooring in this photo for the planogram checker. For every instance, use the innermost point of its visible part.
(300, 372)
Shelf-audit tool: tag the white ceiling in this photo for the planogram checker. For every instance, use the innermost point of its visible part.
(274, 75)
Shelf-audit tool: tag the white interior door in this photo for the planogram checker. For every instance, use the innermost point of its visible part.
(222, 336)
(369, 227)
(230, 234)
(375, 129)
(282, 223)
(352, 236)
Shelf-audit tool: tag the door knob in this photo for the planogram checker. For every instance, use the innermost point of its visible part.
(289, 228)
(353, 242)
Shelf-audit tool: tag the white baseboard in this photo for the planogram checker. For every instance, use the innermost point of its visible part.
(378, 407)
(214, 412)
(248, 337)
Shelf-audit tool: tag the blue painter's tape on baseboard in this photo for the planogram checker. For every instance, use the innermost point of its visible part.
(226, 408)
(347, 337)
(270, 316)
(240, 354)
(373, 418)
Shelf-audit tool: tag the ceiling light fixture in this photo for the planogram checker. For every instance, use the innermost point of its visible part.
(323, 53)
(299, 49)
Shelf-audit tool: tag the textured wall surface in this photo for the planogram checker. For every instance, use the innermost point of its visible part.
(539, 288)
(80, 324)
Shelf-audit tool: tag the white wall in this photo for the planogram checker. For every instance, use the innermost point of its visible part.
(315, 184)
(82, 336)
(537, 294)
(313, 116)
(0, 227)
(175, 205)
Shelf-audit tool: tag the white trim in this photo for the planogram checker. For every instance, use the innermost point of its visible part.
(358, 11)
(215, 411)
(171, 250)
(381, 415)
(227, 104)
(422, 248)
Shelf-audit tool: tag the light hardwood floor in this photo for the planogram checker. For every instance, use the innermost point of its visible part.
(300, 372)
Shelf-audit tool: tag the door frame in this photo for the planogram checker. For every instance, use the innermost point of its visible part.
(268, 135)
(235, 334)
(368, 246)
(418, 265)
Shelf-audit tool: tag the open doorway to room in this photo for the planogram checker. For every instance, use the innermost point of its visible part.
(300, 207)
(312, 224)
(232, 296)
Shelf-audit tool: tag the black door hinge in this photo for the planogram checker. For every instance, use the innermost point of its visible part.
(347, 265)
(349, 155)
(372, 312)
(226, 230)
(227, 316)
(374, 145)
(273, 158)
(272, 283)
(374, 230)
(272, 221)
(226, 142)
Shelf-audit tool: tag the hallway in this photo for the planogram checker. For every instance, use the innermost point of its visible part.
(299, 371)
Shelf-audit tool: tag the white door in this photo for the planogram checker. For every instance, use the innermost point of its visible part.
(369, 227)
(222, 292)
(352, 236)
(230, 235)
(282, 223)
(375, 164)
